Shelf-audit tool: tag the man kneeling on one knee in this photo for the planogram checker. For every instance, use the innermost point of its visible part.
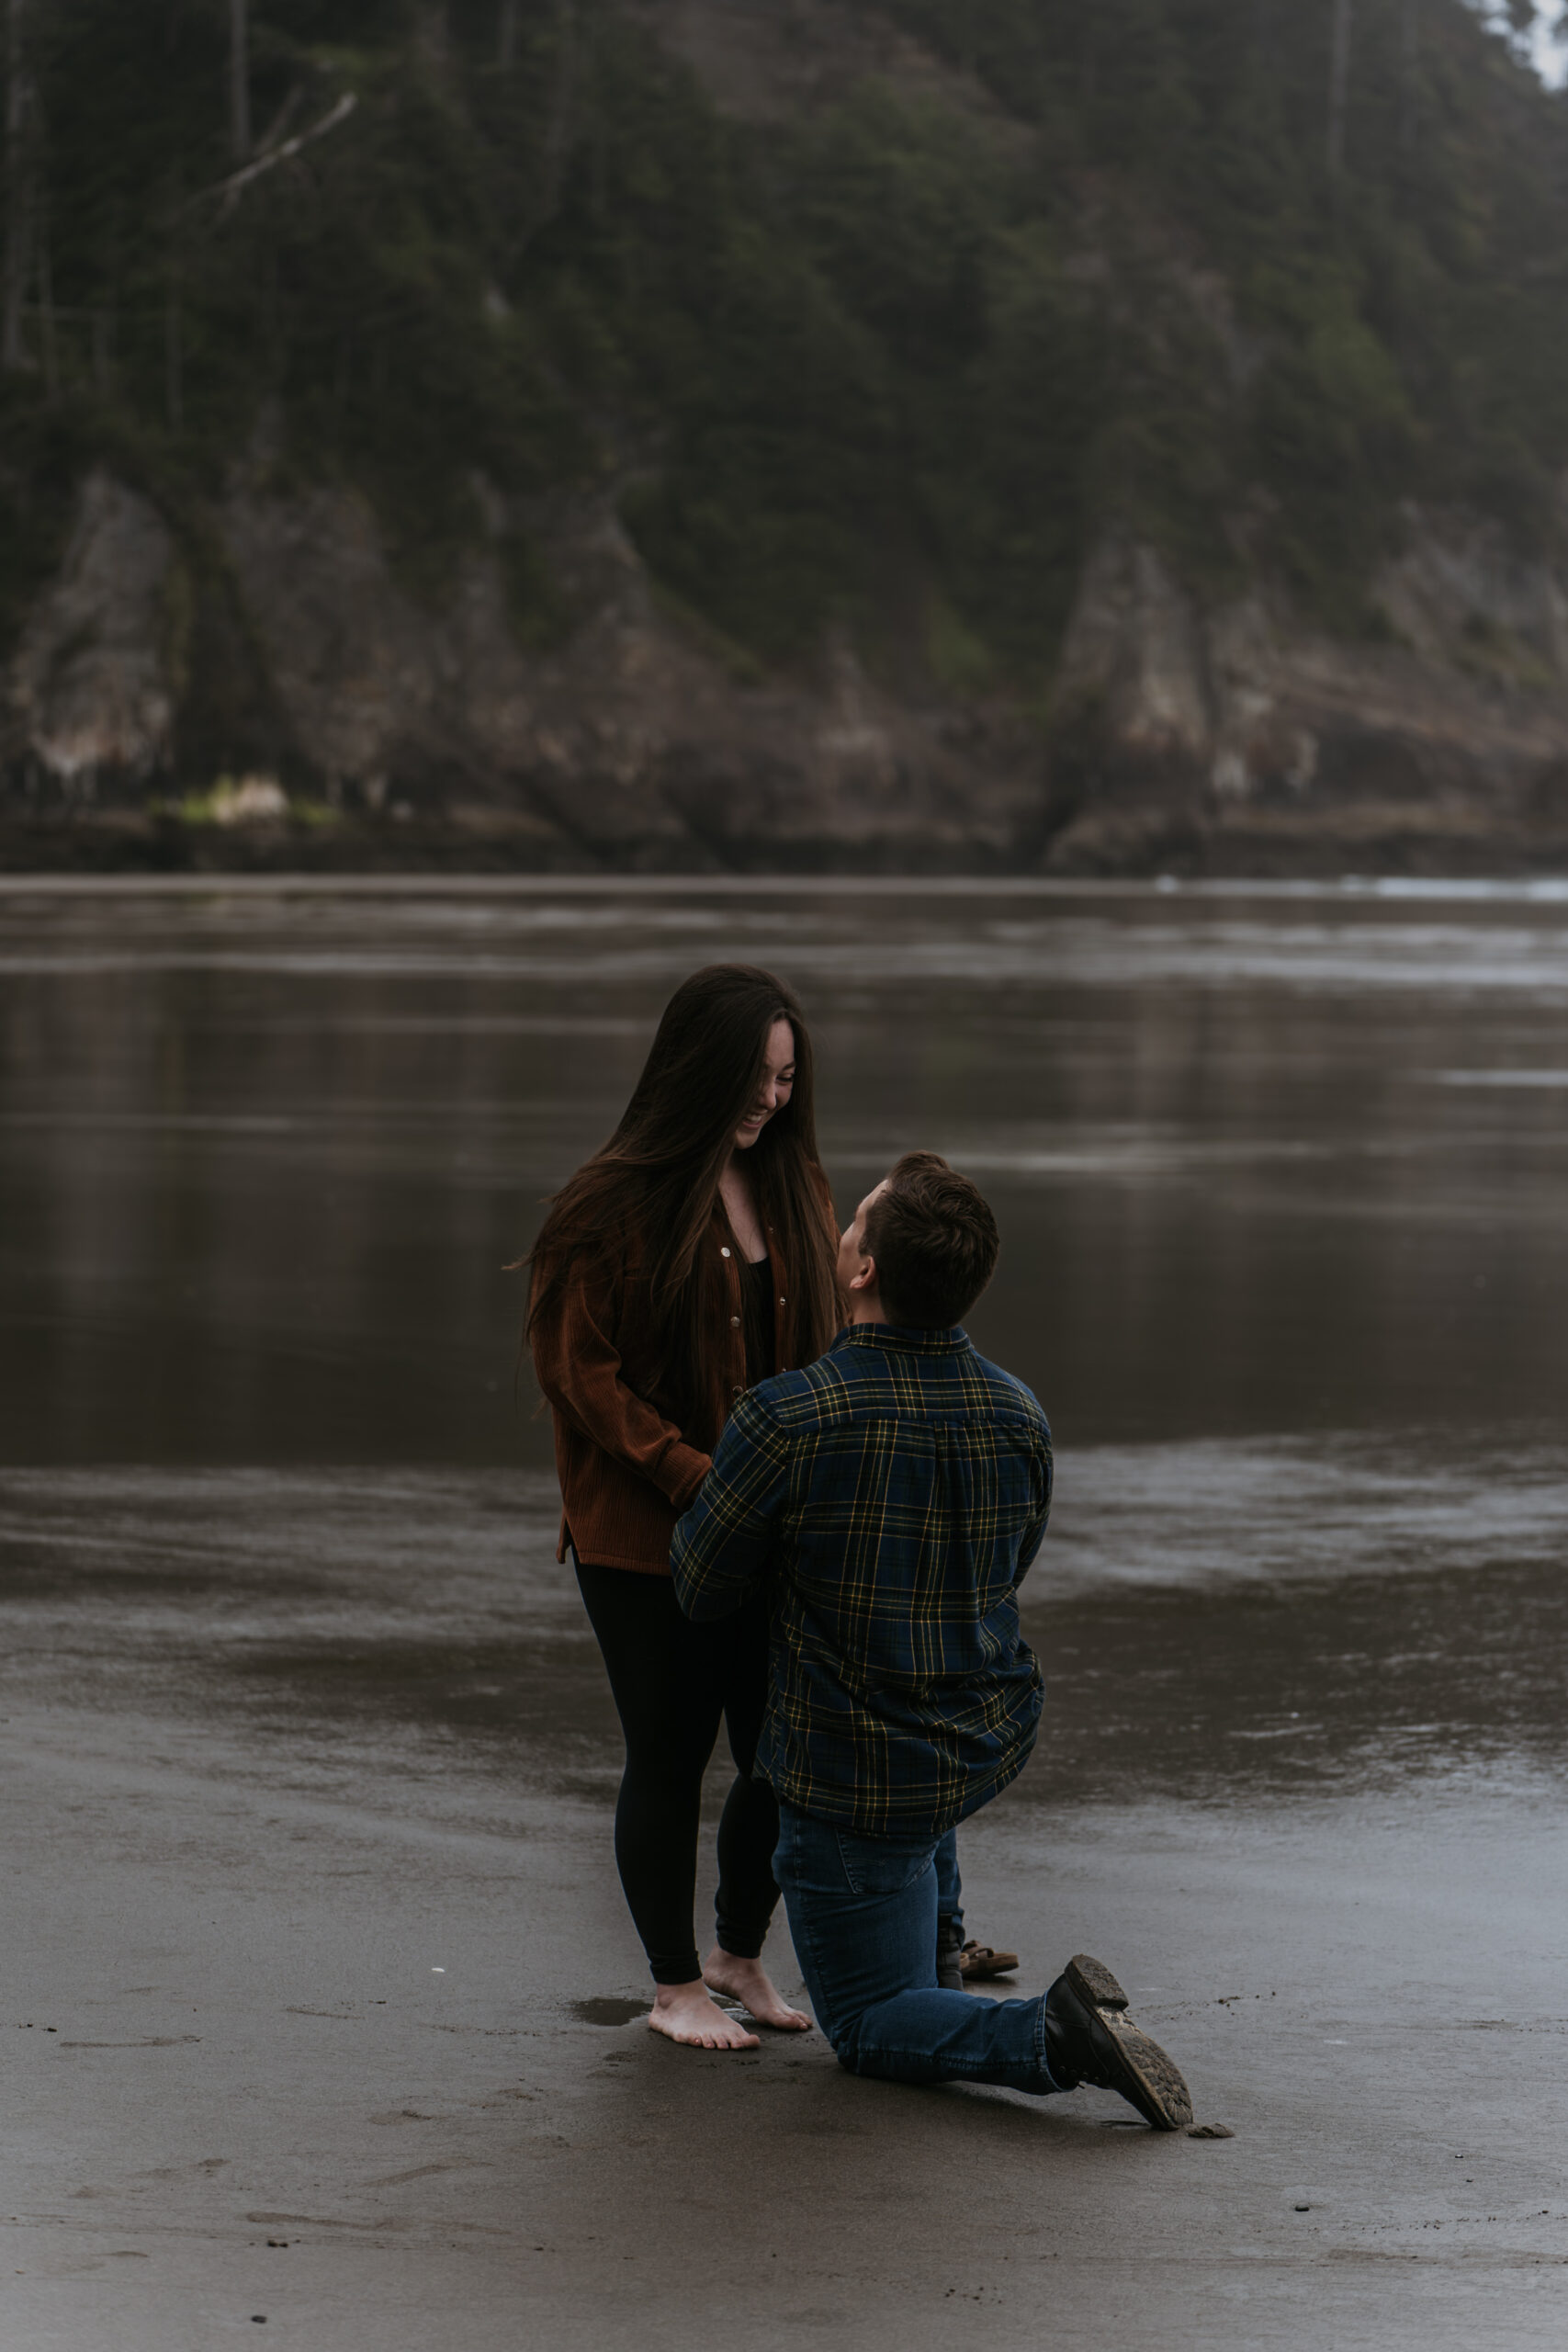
(888, 1500)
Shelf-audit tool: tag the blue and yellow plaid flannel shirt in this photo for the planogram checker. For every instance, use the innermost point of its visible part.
(886, 1501)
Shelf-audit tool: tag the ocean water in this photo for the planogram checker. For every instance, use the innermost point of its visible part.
(1280, 1177)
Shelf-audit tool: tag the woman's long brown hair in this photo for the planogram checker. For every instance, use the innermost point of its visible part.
(659, 1176)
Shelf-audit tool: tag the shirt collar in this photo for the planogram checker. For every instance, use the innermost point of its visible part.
(897, 1339)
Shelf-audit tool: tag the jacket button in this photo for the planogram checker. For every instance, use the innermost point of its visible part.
(735, 1322)
(724, 1253)
(740, 1392)
(784, 1302)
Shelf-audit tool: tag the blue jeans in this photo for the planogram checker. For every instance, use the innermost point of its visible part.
(948, 1885)
(862, 1916)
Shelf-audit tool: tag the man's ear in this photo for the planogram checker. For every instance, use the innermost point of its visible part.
(866, 1278)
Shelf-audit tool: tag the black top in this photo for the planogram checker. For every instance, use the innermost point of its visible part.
(757, 1306)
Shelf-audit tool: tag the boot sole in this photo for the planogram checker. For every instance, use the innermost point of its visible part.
(1142, 2073)
(1093, 1982)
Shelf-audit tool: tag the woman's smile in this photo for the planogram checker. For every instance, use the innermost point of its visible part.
(778, 1078)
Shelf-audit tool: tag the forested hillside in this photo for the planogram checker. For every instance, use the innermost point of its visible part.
(873, 329)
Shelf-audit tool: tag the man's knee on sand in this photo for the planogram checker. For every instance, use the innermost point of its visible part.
(859, 2053)
(885, 2066)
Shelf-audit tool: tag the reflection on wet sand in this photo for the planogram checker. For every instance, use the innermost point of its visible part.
(309, 1766)
(1226, 1622)
(1280, 1179)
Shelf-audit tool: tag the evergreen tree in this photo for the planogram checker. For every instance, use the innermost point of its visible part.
(886, 359)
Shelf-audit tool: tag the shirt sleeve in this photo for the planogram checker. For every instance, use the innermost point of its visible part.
(577, 1365)
(1043, 1474)
(723, 1547)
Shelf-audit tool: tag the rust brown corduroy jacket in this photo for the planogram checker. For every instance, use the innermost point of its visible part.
(626, 1471)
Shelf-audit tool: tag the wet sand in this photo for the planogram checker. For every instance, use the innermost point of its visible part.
(310, 1762)
(308, 1850)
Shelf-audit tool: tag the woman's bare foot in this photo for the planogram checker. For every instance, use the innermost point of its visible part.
(747, 1981)
(686, 2013)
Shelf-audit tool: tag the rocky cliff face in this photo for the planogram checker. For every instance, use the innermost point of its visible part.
(91, 690)
(1236, 739)
(1225, 739)
(396, 731)
(259, 684)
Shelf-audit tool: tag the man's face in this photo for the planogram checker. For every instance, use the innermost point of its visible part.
(853, 1263)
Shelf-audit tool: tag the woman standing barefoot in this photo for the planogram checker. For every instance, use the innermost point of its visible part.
(690, 1258)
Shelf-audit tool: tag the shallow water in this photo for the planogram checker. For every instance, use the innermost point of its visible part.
(1280, 1180)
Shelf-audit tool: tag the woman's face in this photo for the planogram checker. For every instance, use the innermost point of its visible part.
(778, 1078)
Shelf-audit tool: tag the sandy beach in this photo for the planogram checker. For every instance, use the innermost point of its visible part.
(325, 2010)
(323, 2006)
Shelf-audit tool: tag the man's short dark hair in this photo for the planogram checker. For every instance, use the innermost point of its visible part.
(934, 1240)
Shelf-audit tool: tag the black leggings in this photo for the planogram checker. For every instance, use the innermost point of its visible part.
(671, 1681)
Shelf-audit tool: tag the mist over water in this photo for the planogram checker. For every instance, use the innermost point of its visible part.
(1280, 1181)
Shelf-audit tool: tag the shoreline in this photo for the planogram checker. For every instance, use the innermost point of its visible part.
(1545, 888)
(1129, 845)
